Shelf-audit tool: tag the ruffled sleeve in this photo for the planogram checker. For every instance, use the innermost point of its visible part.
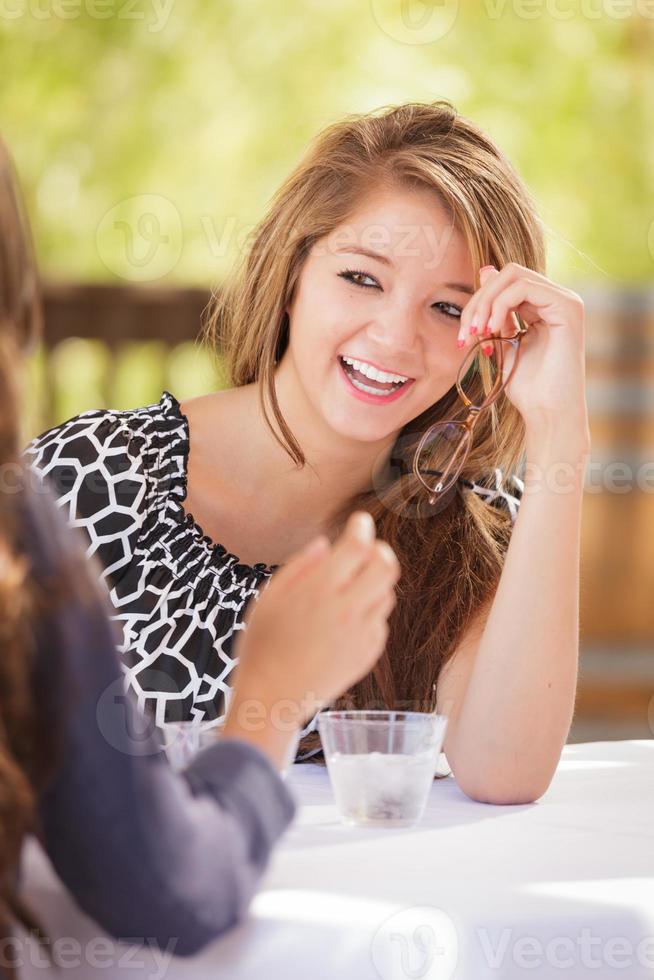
(505, 494)
(94, 462)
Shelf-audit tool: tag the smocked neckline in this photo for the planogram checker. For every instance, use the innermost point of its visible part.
(219, 554)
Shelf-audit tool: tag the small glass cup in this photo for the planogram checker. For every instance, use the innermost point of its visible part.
(381, 763)
(182, 740)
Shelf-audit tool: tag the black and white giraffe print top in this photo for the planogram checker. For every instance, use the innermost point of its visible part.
(177, 597)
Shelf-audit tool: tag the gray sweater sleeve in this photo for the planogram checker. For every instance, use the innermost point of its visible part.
(146, 852)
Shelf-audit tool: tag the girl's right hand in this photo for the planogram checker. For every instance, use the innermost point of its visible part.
(319, 626)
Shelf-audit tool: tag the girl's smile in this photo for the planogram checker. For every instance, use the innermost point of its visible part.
(362, 381)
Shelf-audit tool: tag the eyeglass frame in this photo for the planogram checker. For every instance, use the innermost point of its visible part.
(474, 411)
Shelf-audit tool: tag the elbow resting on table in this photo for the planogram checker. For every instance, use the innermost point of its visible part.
(502, 792)
(501, 777)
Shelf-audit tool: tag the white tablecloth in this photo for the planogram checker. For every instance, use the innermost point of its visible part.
(560, 888)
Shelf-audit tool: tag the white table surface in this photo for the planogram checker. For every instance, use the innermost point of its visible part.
(560, 888)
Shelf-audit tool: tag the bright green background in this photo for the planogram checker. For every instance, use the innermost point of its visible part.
(207, 106)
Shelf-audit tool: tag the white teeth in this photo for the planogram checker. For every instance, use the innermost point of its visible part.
(378, 392)
(371, 391)
(373, 373)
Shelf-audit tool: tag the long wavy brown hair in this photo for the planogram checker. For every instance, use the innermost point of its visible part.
(451, 556)
(26, 757)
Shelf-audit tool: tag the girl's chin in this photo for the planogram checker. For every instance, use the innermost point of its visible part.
(358, 424)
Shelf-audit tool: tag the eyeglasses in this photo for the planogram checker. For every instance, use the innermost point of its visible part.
(444, 448)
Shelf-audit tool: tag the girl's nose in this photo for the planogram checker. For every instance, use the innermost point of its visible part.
(395, 330)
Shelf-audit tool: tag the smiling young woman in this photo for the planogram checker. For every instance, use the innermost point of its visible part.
(344, 329)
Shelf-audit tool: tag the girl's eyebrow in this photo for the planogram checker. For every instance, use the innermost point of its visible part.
(459, 287)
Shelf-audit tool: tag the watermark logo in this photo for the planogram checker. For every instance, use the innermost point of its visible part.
(586, 950)
(415, 21)
(141, 238)
(418, 943)
(565, 10)
(154, 14)
(145, 955)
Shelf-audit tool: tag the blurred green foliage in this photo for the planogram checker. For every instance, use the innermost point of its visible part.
(204, 106)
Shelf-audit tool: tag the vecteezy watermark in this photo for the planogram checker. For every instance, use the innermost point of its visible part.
(415, 21)
(154, 14)
(618, 476)
(400, 241)
(564, 10)
(611, 477)
(420, 943)
(423, 942)
(428, 21)
(128, 726)
(123, 726)
(143, 954)
(141, 237)
(571, 952)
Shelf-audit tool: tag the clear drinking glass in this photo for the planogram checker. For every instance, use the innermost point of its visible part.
(182, 740)
(381, 763)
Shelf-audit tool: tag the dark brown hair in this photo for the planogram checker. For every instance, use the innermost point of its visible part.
(25, 758)
(451, 556)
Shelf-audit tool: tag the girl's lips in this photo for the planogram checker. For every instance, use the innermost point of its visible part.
(371, 399)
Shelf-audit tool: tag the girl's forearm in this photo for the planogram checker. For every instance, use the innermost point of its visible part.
(519, 702)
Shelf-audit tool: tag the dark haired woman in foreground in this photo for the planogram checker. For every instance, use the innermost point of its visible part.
(144, 851)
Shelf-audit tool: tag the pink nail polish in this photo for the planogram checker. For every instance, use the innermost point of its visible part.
(460, 343)
(473, 329)
(487, 331)
(488, 350)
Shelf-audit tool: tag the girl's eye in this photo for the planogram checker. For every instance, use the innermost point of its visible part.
(351, 274)
(354, 275)
(451, 306)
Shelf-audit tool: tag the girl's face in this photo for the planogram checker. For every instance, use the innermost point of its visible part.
(384, 290)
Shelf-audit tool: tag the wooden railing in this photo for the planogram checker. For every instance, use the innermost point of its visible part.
(618, 567)
(121, 314)
(118, 346)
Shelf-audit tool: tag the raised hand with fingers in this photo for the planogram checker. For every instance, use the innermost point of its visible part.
(550, 379)
(319, 626)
